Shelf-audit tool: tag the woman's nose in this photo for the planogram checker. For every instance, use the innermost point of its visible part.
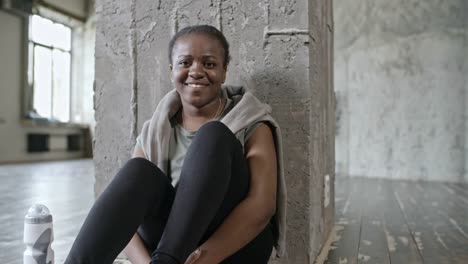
(196, 71)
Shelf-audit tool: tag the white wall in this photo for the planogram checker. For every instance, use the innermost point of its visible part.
(10, 76)
(401, 86)
(83, 73)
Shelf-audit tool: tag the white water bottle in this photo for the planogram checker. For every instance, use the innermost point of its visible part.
(38, 236)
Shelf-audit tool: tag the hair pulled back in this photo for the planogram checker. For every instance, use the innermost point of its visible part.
(202, 29)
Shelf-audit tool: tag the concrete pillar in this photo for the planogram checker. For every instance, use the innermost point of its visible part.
(282, 51)
(466, 91)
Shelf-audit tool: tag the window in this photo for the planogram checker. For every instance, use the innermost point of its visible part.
(50, 68)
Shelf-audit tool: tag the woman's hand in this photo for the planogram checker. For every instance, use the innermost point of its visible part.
(192, 259)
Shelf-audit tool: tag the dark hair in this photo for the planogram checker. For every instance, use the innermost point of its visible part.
(204, 29)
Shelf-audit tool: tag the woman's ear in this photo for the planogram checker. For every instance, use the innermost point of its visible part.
(224, 73)
(170, 72)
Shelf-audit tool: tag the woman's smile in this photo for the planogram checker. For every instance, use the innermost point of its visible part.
(197, 85)
(198, 69)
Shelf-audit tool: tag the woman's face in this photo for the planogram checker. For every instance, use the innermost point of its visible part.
(197, 68)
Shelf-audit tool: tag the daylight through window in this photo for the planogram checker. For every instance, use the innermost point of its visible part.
(50, 68)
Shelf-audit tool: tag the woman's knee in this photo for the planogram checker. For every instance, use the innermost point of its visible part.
(215, 125)
(215, 132)
(140, 173)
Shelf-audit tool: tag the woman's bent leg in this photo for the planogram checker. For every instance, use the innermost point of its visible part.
(139, 188)
(214, 179)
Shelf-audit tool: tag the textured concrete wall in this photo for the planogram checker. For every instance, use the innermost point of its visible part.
(281, 51)
(466, 90)
(400, 87)
(322, 125)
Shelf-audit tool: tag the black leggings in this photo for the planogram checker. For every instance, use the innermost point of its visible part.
(172, 222)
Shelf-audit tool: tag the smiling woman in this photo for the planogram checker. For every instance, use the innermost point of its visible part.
(206, 182)
(198, 70)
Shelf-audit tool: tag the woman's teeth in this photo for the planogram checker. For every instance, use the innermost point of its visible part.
(195, 85)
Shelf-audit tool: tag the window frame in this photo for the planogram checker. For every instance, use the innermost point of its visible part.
(30, 45)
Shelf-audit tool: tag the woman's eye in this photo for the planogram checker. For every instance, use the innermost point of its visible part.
(210, 64)
(184, 63)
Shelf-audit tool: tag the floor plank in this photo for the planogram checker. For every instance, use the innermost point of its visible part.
(402, 247)
(373, 244)
(449, 218)
(459, 191)
(426, 224)
(348, 226)
(385, 221)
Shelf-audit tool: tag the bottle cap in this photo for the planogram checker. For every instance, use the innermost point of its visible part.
(38, 214)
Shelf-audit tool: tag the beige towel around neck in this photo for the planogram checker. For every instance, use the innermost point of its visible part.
(155, 135)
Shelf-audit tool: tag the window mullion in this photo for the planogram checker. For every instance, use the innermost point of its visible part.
(49, 47)
(52, 83)
(33, 73)
(70, 82)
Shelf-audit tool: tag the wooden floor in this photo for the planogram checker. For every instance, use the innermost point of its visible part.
(383, 221)
(377, 221)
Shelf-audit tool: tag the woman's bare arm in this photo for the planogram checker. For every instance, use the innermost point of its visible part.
(252, 215)
(135, 249)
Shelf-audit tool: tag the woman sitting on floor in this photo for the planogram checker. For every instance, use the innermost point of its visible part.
(205, 184)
